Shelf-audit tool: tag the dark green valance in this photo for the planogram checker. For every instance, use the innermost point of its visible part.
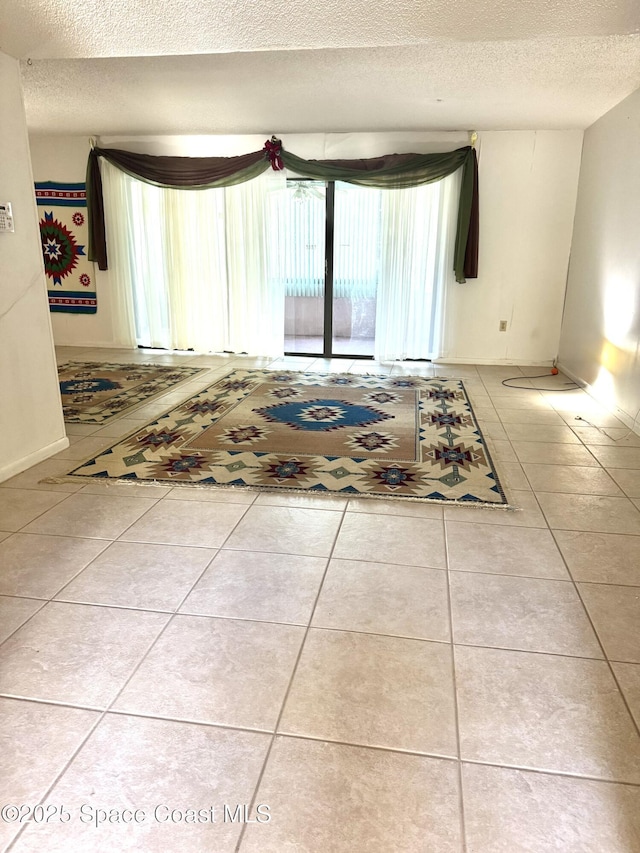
(401, 171)
(394, 171)
(193, 173)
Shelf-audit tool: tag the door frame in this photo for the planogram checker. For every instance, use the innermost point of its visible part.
(329, 233)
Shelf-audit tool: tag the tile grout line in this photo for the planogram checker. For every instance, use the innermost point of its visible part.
(292, 677)
(99, 538)
(76, 575)
(56, 703)
(131, 608)
(154, 641)
(456, 710)
(544, 577)
(635, 724)
(106, 710)
(339, 629)
(155, 504)
(318, 627)
(576, 587)
(172, 614)
(66, 497)
(374, 747)
(26, 621)
(127, 542)
(559, 774)
(45, 601)
(101, 714)
(58, 777)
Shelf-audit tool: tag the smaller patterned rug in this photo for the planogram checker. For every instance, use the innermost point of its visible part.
(375, 436)
(94, 392)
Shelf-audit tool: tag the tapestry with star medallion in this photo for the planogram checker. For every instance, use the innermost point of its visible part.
(393, 437)
(64, 235)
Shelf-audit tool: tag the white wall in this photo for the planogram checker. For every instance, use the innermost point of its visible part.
(600, 343)
(528, 186)
(31, 425)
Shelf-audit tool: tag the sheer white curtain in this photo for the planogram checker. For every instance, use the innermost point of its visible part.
(418, 237)
(192, 266)
(118, 214)
(195, 274)
(255, 299)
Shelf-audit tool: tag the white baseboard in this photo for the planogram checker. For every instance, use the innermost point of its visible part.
(94, 345)
(625, 417)
(20, 465)
(497, 361)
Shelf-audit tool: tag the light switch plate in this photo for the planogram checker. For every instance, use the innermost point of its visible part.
(6, 216)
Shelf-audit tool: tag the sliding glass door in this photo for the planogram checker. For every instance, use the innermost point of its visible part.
(329, 262)
(356, 269)
(302, 265)
(364, 269)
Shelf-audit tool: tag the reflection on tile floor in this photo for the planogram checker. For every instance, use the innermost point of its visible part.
(368, 676)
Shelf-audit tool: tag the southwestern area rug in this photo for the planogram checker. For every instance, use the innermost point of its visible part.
(94, 392)
(374, 436)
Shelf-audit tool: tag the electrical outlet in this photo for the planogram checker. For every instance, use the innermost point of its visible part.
(503, 325)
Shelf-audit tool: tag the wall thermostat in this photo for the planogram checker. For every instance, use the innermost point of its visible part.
(6, 217)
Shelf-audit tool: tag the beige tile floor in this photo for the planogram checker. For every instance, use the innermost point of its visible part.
(383, 676)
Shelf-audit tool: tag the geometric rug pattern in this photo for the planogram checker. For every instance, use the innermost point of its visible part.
(95, 392)
(393, 437)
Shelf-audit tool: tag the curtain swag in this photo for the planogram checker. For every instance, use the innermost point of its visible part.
(393, 171)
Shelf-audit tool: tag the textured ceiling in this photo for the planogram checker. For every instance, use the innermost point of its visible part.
(257, 66)
(66, 29)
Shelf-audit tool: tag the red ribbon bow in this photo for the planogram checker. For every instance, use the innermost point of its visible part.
(273, 150)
